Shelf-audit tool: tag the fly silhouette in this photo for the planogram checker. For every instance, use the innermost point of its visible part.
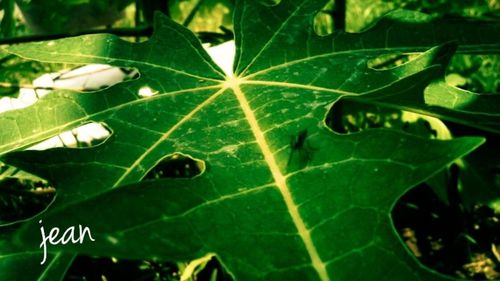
(301, 152)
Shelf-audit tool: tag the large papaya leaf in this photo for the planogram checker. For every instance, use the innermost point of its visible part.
(314, 208)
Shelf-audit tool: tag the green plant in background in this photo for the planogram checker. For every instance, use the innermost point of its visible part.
(69, 16)
(475, 73)
(274, 193)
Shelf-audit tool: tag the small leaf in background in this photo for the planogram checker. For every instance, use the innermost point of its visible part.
(23, 198)
(8, 22)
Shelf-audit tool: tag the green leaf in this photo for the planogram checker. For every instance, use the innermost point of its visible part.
(50, 17)
(281, 197)
(449, 103)
(14, 266)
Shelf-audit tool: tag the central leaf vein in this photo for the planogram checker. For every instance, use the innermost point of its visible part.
(281, 183)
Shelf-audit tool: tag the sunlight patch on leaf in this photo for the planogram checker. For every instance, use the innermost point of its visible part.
(83, 78)
(88, 135)
(223, 56)
(92, 77)
(146, 91)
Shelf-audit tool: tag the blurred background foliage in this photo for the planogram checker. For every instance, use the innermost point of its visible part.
(477, 179)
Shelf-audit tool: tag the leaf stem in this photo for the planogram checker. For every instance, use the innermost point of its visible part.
(339, 15)
(122, 32)
(145, 31)
(193, 12)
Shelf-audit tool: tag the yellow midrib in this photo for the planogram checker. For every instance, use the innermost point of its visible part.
(280, 180)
